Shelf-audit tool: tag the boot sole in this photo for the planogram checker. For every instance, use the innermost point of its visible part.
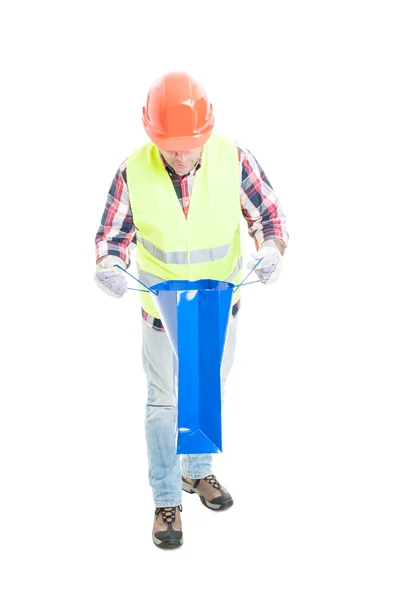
(190, 490)
(167, 544)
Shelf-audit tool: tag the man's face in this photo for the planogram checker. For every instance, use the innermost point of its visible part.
(182, 162)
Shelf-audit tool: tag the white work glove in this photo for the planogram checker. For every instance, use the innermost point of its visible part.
(109, 278)
(270, 267)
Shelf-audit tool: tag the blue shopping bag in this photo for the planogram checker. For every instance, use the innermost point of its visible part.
(195, 315)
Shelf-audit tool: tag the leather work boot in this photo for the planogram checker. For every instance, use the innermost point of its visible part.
(167, 528)
(212, 494)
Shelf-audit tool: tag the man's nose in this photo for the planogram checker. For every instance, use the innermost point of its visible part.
(182, 156)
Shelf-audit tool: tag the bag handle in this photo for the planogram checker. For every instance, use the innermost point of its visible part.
(249, 273)
(148, 289)
(156, 293)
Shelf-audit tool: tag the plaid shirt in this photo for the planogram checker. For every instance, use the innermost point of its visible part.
(260, 207)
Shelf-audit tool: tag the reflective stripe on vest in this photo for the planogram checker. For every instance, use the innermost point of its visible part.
(151, 280)
(206, 244)
(184, 258)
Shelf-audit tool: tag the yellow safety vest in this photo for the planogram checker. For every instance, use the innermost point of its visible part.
(206, 244)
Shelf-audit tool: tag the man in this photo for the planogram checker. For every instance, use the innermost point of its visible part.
(179, 200)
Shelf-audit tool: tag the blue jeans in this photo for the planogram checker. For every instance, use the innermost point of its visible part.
(165, 466)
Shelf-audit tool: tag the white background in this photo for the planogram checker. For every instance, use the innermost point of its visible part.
(310, 420)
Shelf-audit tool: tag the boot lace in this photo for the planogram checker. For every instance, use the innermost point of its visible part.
(212, 479)
(168, 513)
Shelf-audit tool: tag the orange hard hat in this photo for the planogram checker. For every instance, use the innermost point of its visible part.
(178, 115)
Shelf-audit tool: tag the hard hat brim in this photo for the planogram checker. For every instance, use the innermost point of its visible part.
(178, 144)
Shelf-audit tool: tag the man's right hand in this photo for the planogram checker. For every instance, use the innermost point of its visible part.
(109, 278)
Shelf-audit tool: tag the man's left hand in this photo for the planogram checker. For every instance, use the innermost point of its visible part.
(270, 267)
